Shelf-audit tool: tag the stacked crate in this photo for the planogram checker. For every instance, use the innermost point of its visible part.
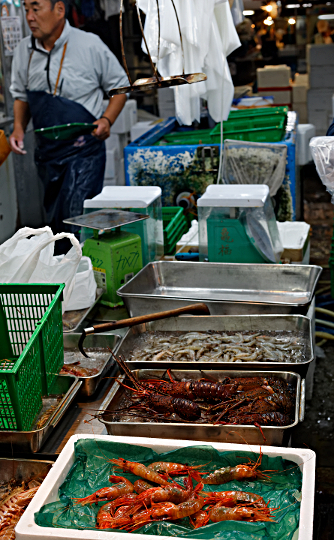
(275, 81)
(320, 64)
(299, 97)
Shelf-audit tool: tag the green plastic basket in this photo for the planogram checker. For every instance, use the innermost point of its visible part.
(31, 350)
(197, 136)
(262, 128)
(175, 225)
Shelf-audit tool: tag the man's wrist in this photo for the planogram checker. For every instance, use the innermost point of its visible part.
(106, 117)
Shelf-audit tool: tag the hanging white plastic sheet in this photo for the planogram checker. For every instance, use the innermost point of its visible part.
(208, 36)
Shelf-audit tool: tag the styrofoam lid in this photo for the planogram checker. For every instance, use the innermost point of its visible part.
(124, 197)
(233, 196)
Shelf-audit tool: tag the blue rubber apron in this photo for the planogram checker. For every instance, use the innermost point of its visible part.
(71, 171)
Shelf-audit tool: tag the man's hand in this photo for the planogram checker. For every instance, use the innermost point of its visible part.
(103, 129)
(16, 141)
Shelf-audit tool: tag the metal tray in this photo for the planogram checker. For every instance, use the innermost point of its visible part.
(73, 319)
(226, 288)
(274, 436)
(92, 343)
(222, 323)
(32, 441)
(22, 469)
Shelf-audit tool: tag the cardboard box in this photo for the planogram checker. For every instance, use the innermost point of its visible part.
(320, 55)
(301, 110)
(273, 76)
(322, 76)
(299, 93)
(281, 97)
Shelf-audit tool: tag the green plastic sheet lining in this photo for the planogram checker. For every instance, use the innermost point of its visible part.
(92, 468)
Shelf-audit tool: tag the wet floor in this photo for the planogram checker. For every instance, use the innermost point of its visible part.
(316, 432)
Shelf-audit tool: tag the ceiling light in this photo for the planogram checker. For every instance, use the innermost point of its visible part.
(291, 21)
(268, 21)
(292, 6)
(248, 12)
(326, 17)
(307, 5)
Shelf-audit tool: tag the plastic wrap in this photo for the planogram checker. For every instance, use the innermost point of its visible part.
(322, 150)
(92, 467)
(255, 163)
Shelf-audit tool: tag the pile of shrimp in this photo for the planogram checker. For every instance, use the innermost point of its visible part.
(13, 502)
(155, 496)
(220, 347)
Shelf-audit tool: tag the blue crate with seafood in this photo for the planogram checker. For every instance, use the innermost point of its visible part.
(184, 170)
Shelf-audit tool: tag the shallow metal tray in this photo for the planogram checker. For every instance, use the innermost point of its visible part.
(222, 323)
(73, 319)
(32, 441)
(93, 342)
(226, 288)
(22, 469)
(274, 436)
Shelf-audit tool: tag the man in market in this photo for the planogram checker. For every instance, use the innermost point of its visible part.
(59, 76)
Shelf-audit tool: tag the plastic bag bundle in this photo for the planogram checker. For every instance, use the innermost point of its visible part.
(27, 257)
(254, 163)
(322, 150)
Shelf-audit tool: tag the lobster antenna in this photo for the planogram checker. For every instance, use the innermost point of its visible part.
(126, 370)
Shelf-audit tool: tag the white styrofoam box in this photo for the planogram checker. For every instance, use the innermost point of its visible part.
(27, 529)
(121, 173)
(166, 95)
(319, 118)
(319, 99)
(273, 76)
(127, 117)
(126, 197)
(301, 79)
(281, 97)
(305, 132)
(110, 182)
(322, 77)
(295, 236)
(299, 93)
(140, 128)
(111, 163)
(114, 142)
(320, 55)
(301, 110)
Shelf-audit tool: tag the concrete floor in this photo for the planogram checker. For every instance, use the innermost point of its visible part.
(316, 432)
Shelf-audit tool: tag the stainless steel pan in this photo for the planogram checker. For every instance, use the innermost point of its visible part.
(275, 436)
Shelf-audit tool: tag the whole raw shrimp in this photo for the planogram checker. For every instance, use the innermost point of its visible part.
(239, 472)
(171, 493)
(123, 487)
(239, 513)
(175, 468)
(165, 511)
(234, 498)
(140, 470)
(106, 518)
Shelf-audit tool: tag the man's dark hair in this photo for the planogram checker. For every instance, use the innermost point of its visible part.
(65, 2)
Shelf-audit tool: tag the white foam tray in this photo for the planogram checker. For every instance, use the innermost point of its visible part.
(27, 529)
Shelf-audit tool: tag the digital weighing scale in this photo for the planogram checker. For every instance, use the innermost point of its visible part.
(116, 255)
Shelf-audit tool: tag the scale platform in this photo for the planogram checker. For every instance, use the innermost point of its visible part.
(116, 255)
(105, 220)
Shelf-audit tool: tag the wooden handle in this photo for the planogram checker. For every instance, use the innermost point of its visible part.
(194, 309)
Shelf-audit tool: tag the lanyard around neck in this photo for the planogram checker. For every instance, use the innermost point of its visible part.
(59, 71)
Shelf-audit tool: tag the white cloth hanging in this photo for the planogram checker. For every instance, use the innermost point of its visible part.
(208, 36)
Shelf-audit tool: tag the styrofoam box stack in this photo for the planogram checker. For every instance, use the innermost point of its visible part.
(299, 97)
(275, 81)
(48, 492)
(166, 102)
(320, 64)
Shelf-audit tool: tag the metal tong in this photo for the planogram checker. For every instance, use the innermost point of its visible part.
(194, 309)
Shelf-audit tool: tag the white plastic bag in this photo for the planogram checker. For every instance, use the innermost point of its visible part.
(254, 163)
(322, 150)
(30, 260)
(84, 288)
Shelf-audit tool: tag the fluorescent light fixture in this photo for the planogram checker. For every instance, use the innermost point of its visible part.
(307, 5)
(267, 8)
(292, 6)
(248, 12)
(291, 21)
(327, 17)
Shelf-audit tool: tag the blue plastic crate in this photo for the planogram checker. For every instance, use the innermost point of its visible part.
(182, 172)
